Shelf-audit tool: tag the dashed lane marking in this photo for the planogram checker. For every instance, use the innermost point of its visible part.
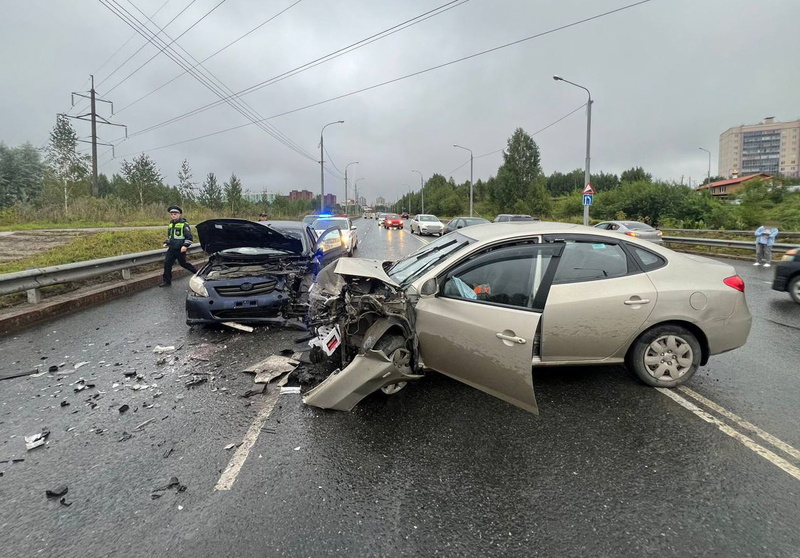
(770, 456)
(230, 473)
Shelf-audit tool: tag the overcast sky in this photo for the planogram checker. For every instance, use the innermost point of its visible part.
(667, 77)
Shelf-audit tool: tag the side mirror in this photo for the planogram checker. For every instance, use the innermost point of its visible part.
(429, 287)
(353, 228)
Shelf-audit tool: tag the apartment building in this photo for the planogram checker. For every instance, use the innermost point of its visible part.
(768, 147)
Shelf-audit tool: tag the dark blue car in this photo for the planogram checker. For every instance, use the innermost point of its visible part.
(787, 274)
(258, 272)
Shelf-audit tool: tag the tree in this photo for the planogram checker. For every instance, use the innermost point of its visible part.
(145, 178)
(68, 168)
(233, 194)
(185, 184)
(635, 174)
(211, 193)
(520, 182)
(21, 174)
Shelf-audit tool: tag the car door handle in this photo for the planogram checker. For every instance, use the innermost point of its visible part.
(636, 301)
(513, 339)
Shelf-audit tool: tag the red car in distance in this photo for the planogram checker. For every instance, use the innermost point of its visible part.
(393, 221)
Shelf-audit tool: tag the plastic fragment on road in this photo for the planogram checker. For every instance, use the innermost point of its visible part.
(257, 390)
(290, 390)
(123, 408)
(125, 436)
(159, 349)
(196, 381)
(57, 492)
(145, 423)
(21, 374)
(274, 366)
(78, 365)
(63, 502)
(172, 483)
(240, 327)
(35, 440)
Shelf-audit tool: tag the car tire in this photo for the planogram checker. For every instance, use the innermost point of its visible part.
(665, 356)
(394, 346)
(794, 289)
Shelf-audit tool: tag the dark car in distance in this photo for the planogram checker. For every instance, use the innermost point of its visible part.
(404, 215)
(258, 272)
(460, 222)
(787, 274)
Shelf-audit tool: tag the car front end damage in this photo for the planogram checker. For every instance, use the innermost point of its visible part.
(271, 290)
(364, 322)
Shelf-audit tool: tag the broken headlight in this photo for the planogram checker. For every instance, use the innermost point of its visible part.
(198, 286)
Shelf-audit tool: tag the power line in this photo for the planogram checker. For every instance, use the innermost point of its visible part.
(308, 65)
(260, 25)
(219, 90)
(407, 76)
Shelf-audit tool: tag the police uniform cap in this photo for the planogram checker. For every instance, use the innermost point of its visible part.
(174, 208)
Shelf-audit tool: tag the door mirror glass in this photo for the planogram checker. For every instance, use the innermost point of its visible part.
(429, 287)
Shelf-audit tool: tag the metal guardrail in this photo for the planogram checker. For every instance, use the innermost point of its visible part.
(743, 244)
(783, 234)
(32, 280)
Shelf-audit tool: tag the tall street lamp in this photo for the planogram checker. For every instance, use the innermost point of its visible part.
(586, 175)
(470, 176)
(345, 184)
(421, 189)
(322, 165)
(709, 163)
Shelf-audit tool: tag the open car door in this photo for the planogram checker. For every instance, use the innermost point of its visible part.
(331, 245)
(479, 328)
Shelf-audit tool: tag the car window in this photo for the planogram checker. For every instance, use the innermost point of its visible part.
(588, 261)
(648, 260)
(509, 276)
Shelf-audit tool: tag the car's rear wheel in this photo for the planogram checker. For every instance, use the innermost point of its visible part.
(794, 289)
(665, 356)
(394, 346)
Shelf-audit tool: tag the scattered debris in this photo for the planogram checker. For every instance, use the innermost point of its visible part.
(231, 446)
(137, 387)
(165, 349)
(172, 483)
(53, 368)
(125, 436)
(18, 374)
(36, 440)
(204, 359)
(78, 365)
(168, 452)
(241, 327)
(257, 390)
(64, 403)
(269, 369)
(290, 389)
(123, 408)
(196, 381)
(145, 423)
(129, 373)
(57, 492)
(158, 376)
(63, 502)
(161, 361)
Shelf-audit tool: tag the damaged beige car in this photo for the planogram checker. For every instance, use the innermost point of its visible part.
(489, 304)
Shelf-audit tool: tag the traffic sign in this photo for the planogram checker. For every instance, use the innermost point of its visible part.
(588, 199)
(588, 190)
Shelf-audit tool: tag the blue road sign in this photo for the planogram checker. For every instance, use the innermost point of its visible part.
(587, 199)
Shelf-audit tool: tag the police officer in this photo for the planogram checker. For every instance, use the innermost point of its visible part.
(179, 238)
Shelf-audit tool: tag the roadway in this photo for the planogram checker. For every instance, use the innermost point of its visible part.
(609, 468)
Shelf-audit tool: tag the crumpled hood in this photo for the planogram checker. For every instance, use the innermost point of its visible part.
(361, 267)
(223, 234)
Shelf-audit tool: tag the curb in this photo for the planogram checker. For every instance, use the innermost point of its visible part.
(27, 315)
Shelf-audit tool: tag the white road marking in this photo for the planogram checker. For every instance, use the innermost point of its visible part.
(736, 435)
(766, 436)
(230, 473)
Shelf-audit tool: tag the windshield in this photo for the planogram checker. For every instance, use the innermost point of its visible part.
(393, 216)
(427, 218)
(322, 224)
(411, 267)
(474, 220)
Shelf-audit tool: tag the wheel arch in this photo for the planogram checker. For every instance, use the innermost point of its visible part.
(692, 328)
(381, 328)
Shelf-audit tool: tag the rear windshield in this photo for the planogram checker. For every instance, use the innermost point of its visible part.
(521, 218)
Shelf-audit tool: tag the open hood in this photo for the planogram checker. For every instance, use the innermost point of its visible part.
(223, 234)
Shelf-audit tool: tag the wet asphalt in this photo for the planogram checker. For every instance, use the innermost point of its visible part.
(609, 468)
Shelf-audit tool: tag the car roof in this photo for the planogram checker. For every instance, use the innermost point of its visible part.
(501, 231)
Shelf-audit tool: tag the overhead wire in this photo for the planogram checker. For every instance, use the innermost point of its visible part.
(206, 59)
(321, 60)
(218, 88)
(408, 76)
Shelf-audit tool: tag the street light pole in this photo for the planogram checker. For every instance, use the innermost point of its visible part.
(355, 186)
(470, 176)
(421, 189)
(322, 165)
(709, 163)
(586, 174)
(345, 184)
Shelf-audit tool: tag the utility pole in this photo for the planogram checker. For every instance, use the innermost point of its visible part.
(92, 116)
